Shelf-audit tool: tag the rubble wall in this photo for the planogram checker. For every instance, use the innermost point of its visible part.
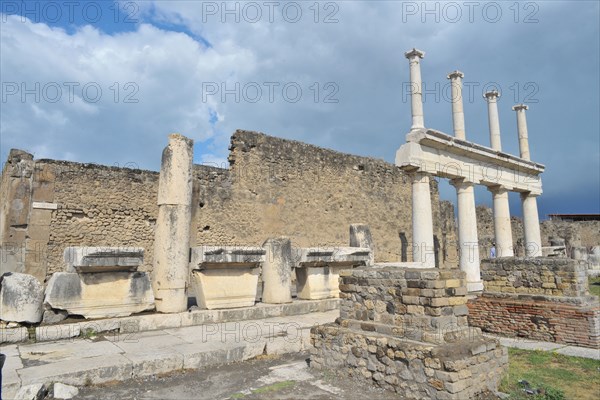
(273, 187)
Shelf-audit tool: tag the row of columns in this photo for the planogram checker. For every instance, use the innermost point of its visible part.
(467, 221)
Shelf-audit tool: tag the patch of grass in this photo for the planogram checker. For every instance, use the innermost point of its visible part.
(237, 396)
(562, 377)
(274, 387)
(594, 284)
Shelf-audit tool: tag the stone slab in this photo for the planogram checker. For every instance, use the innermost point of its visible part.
(333, 256)
(103, 259)
(215, 256)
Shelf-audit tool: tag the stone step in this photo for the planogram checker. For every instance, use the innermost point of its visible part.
(125, 356)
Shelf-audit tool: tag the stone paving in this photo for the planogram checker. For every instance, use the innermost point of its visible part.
(106, 358)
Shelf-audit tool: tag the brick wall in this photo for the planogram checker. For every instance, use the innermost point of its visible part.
(541, 298)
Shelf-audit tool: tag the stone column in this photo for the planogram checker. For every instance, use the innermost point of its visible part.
(360, 236)
(422, 220)
(522, 129)
(467, 234)
(414, 57)
(277, 271)
(458, 115)
(531, 226)
(493, 120)
(172, 236)
(502, 227)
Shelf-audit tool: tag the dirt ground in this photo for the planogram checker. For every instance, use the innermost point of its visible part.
(285, 377)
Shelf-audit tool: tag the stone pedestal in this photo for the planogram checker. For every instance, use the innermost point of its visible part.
(172, 235)
(100, 295)
(502, 227)
(531, 226)
(422, 222)
(467, 234)
(318, 271)
(277, 271)
(225, 276)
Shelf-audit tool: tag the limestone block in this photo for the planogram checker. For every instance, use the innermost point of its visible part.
(316, 283)
(277, 271)
(226, 286)
(100, 295)
(21, 298)
(360, 236)
(103, 259)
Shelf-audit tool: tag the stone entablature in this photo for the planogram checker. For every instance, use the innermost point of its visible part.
(445, 156)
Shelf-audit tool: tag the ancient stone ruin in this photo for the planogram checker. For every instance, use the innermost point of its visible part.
(291, 229)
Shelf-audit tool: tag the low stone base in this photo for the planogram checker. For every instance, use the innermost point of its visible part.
(315, 283)
(228, 287)
(567, 320)
(100, 295)
(413, 369)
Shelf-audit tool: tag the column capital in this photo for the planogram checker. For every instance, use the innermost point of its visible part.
(461, 183)
(519, 107)
(491, 95)
(418, 175)
(455, 74)
(498, 189)
(414, 53)
(525, 195)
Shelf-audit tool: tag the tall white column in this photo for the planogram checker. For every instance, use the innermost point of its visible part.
(458, 115)
(467, 234)
(522, 129)
(172, 235)
(414, 58)
(422, 220)
(502, 227)
(531, 226)
(493, 120)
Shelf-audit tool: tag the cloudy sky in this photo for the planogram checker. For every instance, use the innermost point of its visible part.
(105, 81)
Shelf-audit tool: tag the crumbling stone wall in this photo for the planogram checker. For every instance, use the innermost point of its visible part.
(543, 298)
(575, 233)
(549, 276)
(406, 330)
(281, 187)
(274, 187)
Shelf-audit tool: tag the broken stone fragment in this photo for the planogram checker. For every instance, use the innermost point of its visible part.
(21, 298)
